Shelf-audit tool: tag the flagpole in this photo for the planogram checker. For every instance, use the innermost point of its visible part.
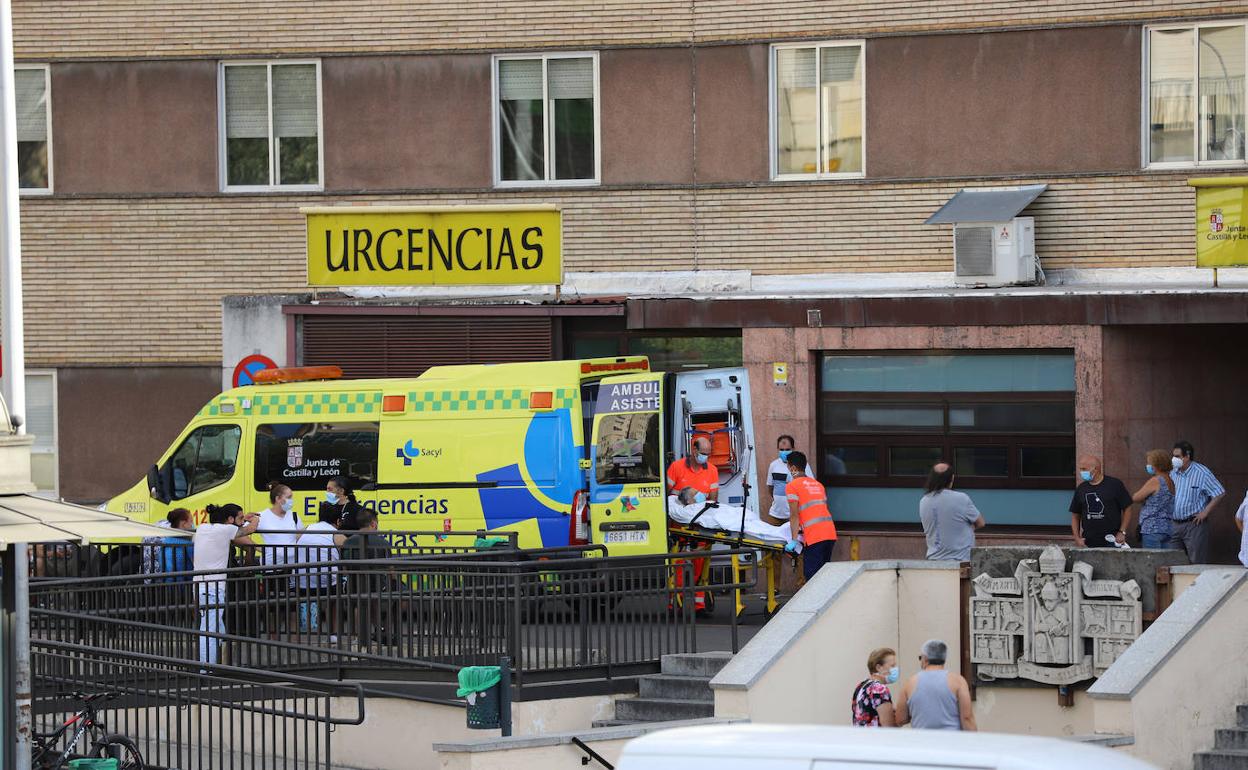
(13, 344)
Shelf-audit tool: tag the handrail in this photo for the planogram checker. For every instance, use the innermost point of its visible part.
(321, 686)
(580, 744)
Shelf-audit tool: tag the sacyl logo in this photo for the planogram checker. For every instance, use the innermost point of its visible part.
(408, 452)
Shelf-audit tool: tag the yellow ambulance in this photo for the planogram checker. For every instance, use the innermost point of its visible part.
(541, 449)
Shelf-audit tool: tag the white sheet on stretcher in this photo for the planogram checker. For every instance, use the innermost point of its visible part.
(728, 519)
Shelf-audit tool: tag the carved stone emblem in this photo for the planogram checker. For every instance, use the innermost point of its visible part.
(1051, 625)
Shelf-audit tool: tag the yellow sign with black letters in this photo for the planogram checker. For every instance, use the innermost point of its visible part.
(1221, 225)
(438, 246)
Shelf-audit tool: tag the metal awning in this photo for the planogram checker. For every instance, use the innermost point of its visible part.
(986, 204)
(30, 519)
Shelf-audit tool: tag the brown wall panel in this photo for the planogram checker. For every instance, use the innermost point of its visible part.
(129, 127)
(115, 422)
(1163, 384)
(647, 116)
(732, 113)
(406, 122)
(1015, 102)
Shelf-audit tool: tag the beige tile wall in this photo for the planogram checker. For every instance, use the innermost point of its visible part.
(141, 279)
(52, 29)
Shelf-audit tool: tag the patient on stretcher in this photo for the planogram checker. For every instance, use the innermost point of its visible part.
(683, 509)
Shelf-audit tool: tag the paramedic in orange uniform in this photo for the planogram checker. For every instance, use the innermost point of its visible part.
(695, 471)
(808, 511)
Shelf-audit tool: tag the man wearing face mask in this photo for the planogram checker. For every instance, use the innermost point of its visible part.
(1100, 511)
(778, 477)
(695, 470)
(1196, 493)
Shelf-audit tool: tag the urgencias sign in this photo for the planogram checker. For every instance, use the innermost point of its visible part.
(390, 246)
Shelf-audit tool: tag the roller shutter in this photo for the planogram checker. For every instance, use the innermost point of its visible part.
(405, 346)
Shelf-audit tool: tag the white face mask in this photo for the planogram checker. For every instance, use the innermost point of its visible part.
(1176, 463)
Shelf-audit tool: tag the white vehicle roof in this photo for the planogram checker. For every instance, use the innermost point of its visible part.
(763, 747)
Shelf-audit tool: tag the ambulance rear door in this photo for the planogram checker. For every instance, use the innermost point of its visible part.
(627, 511)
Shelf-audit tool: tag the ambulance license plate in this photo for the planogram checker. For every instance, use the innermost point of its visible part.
(627, 536)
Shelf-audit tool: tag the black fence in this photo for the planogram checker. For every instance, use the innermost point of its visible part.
(250, 666)
(177, 714)
(64, 560)
(557, 614)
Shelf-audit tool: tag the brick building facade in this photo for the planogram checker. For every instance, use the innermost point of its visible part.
(701, 185)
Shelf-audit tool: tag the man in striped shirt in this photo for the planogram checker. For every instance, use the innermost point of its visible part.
(1196, 493)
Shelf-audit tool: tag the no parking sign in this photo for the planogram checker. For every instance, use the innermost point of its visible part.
(245, 371)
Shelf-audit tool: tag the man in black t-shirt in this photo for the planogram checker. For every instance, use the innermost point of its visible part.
(1101, 506)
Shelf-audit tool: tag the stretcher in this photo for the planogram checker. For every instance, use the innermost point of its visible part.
(690, 537)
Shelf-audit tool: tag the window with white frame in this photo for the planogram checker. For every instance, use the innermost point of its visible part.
(1195, 94)
(41, 423)
(271, 125)
(546, 119)
(34, 128)
(817, 112)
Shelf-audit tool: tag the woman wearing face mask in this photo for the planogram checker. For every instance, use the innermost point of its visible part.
(873, 702)
(280, 527)
(340, 493)
(1157, 496)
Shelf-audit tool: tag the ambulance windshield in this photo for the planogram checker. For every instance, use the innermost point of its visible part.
(628, 448)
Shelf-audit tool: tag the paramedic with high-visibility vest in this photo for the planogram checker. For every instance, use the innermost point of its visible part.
(695, 470)
(809, 516)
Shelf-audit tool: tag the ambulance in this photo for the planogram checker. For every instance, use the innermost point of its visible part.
(559, 452)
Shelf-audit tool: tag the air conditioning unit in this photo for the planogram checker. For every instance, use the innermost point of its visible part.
(994, 253)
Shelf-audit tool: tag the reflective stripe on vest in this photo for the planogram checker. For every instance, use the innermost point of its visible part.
(819, 520)
(812, 504)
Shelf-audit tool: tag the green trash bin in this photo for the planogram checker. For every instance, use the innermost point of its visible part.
(480, 684)
(93, 763)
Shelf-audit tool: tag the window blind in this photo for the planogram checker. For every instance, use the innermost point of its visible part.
(294, 100)
(32, 105)
(246, 102)
(795, 68)
(839, 64)
(520, 79)
(40, 409)
(571, 78)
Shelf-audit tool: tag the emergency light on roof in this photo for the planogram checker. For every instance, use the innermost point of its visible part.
(618, 366)
(297, 374)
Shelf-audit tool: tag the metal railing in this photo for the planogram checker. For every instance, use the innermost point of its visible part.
(195, 717)
(555, 614)
(63, 560)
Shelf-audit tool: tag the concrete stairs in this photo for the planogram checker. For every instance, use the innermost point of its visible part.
(681, 692)
(1230, 747)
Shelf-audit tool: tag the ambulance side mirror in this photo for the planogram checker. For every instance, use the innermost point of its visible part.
(158, 483)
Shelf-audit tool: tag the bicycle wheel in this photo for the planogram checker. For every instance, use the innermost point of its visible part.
(123, 748)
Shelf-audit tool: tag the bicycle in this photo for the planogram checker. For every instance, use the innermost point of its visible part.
(47, 756)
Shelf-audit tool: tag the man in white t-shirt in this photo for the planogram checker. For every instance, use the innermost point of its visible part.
(1240, 515)
(212, 543)
(778, 477)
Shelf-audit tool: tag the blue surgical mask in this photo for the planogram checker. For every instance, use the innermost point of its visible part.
(784, 455)
(700, 497)
(894, 674)
(288, 504)
(1151, 470)
(1085, 475)
(331, 498)
(702, 458)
